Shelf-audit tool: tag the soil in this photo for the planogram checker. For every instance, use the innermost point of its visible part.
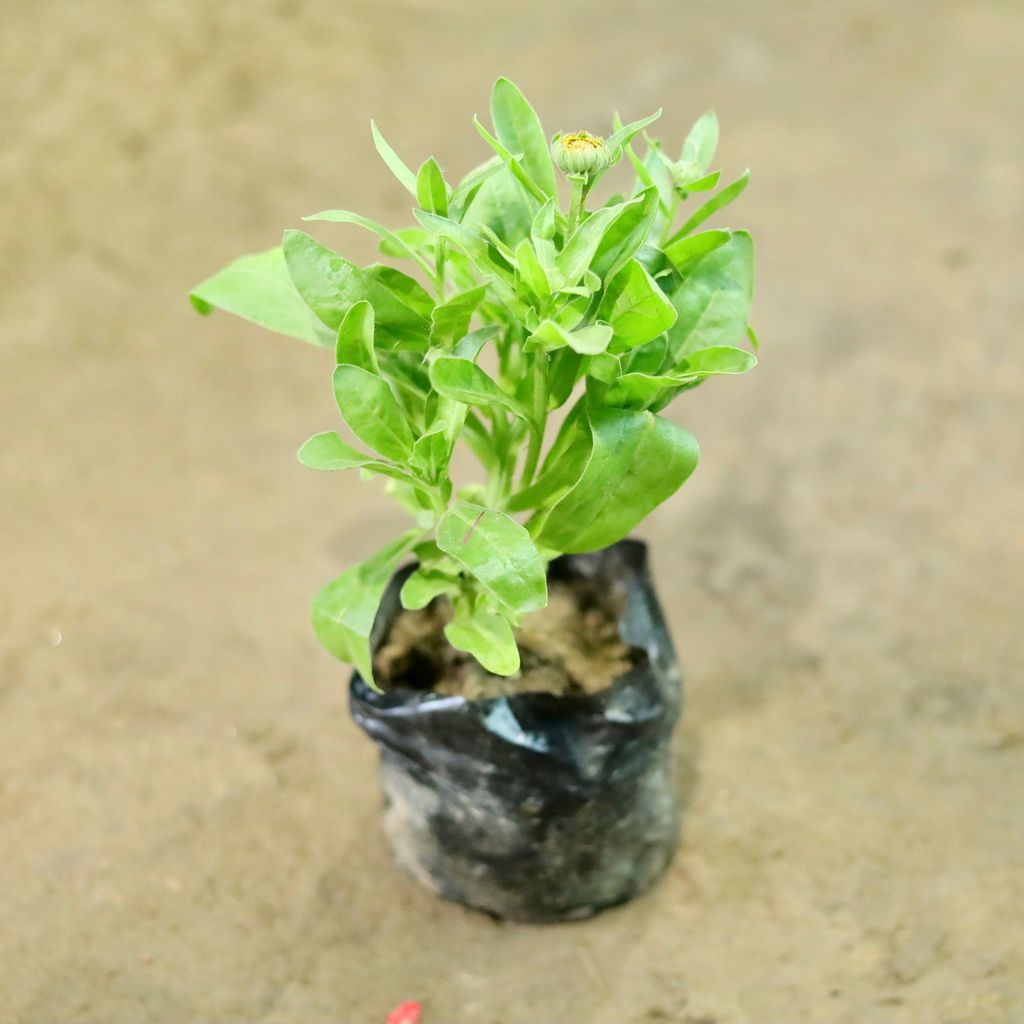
(190, 823)
(570, 647)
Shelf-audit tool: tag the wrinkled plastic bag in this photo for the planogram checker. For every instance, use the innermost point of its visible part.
(536, 807)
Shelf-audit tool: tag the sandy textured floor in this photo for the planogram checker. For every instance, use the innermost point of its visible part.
(188, 821)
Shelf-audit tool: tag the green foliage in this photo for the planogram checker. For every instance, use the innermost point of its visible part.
(510, 303)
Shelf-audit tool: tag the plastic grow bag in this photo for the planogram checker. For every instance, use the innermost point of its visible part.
(536, 807)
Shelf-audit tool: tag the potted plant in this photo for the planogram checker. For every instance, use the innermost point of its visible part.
(510, 657)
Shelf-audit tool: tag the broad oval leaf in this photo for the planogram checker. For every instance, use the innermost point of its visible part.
(719, 359)
(514, 164)
(690, 249)
(713, 300)
(258, 288)
(501, 204)
(330, 285)
(344, 610)
(431, 189)
(638, 390)
(488, 637)
(355, 338)
(578, 253)
(701, 143)
(372, 412)
(498, 552)
(626, 233)
(587, 341)
(636, 307)
(424, 585)
(463, 381)
(327, 451)
(450, 320)
(518, 127)
(637, 460)
(532, 272)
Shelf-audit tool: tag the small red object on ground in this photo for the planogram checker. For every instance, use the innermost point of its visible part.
(405, 1013)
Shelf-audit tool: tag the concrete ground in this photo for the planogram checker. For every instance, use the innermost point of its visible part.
(188, 820)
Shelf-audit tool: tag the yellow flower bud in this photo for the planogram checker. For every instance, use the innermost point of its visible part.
(580, 153)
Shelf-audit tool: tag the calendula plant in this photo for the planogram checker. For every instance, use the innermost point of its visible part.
(604, 311)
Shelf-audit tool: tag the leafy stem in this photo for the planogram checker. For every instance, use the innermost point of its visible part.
(517, 305)
(578, 183)
(538, 423)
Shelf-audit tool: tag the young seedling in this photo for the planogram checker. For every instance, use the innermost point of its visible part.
(605, 311)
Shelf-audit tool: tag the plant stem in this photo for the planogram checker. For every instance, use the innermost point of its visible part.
(578, 183)
(439, 268)
(667, 233)
(540, 417)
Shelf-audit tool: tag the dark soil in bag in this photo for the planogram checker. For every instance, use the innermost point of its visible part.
(543, 797)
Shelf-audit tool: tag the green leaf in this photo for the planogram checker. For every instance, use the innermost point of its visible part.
(257, 288)
(502, 205)
(720, 359)
(393, 160)
(604, 367)
(636, 390)
(657, 170)
(463, 381)
(519, 129)
(327, 451)
(431, 190)
(330, 285)
(355, 338)
(578, 253)
(554, 483)
(344, 611)
(532, 272)
(467, 189)
(542, 233)
(432, 450)
(513, 163)
(587, 341)
(405, 288)
(392, 242)
(701, 142)
(478, 251)
(713, 205)
(687, 250)
(469, 346)
(639, 389)
(563, 372)
(372, 412)
(636, 307)
(713, 300)
(563, 464)
(488, 637)
(702, 184)
(637, 460)
(450, 320)
(424, 585)
(627, 232)
(498, 552)
(624, 135)
(649, 358)
(406, 372)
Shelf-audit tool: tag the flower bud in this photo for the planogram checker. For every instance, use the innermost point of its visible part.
(580, 153)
